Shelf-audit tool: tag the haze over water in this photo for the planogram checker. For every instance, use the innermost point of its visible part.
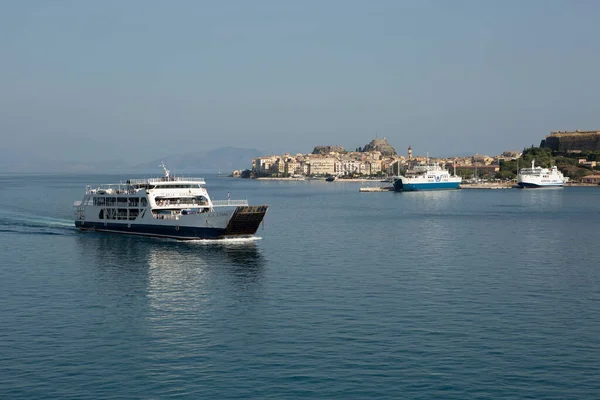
(135, 81)
(460, 294)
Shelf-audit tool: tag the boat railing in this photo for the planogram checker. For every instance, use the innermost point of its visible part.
(225, 203)
(164, 179)
(111, 189)
(169, 203)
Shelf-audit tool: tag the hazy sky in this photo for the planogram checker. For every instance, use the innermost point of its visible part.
(144, 79)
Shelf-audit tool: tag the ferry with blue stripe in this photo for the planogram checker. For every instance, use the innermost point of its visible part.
(427, 177)
(171, 207)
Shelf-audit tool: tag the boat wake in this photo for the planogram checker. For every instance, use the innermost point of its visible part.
(12, 222)
(225, 242)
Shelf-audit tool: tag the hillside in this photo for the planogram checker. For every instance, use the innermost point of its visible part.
(224, 159)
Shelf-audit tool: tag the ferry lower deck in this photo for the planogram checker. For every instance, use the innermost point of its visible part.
(244, 221)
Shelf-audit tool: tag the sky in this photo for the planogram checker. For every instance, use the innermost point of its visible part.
(141, 79)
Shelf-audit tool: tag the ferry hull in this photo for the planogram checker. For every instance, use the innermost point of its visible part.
(244, 222)
(528, 185)
(399, 186)
(175, 232)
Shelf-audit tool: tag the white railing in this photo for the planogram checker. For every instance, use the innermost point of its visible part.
(168, 203)
(164, 180)
(225, 203)
(111, 189)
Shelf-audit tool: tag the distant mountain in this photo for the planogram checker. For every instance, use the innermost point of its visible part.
(224, 159)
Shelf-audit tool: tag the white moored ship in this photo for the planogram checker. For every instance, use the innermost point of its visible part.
(537, 177)
(170, 206)
(427, 177)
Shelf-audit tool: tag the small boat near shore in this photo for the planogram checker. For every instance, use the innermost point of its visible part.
(170, 206)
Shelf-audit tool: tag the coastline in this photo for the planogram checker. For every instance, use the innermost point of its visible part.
(319, 179)
(279, 179)
(484, 185)
(487, 185)
(581, 184)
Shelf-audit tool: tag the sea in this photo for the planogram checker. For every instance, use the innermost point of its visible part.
(466, 294)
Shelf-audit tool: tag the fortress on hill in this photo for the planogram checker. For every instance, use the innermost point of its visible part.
(572, 142)
(380, 145)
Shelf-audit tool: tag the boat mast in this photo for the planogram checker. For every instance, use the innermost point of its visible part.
(167, 172)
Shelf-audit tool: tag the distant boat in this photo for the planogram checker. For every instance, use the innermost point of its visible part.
(427, 177)
(330, 178)
(538, 177)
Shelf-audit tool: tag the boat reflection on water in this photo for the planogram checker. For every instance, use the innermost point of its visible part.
(155, 265)
(186, 278)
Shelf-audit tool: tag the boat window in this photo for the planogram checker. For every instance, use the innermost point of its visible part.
(133, 214)
(101, 215)
(111, 213)
(144, 202)
(111, 201)
(121, 213)
(100, 201)
(201, 200)
(134, 201)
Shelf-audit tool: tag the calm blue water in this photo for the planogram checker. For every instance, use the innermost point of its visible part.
(454, 295)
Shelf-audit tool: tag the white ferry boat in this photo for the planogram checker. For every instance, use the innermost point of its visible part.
(537, 177)
(170, 206)
(427, 177)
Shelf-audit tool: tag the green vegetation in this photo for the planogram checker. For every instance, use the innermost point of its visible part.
(468, 173)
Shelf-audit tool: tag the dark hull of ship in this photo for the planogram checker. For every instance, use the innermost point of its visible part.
(414, 187)
(175, 232)
(527, 185)
(243, 223)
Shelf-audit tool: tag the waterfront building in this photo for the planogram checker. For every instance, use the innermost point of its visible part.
(293, 167)
(593, 179)
(321, 166)
(263, 164)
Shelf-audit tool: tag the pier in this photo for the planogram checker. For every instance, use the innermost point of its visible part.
(376, 189)
(486, 186)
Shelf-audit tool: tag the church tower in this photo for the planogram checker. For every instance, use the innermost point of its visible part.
(409, 153)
